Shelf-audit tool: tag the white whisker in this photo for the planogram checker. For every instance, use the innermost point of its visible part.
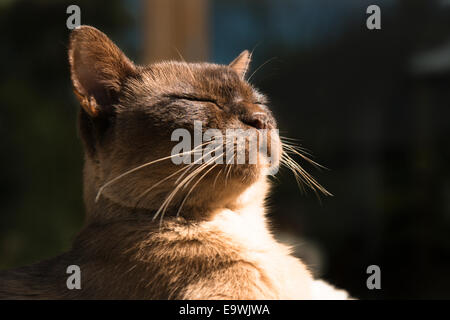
(143, 166)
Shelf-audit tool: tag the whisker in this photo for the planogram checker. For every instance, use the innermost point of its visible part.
(262, 65)
(217, 176)
(183, 184)
(288, 164)
(294, 143)
(288, 138)
(229, 168)
(221, 146)
(143, 166)
(159, 182)
(303, 176)
(206, 163)
(193, 187)
(187, 64)
(166, 203)
(299, 153)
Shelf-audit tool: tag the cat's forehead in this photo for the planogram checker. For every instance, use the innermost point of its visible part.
(194, 78)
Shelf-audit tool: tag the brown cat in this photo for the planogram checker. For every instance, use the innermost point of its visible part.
(218, 246)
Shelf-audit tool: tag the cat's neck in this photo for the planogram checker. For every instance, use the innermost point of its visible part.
(241, 226)
(248, 203)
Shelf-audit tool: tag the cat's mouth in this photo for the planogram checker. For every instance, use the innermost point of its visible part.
(249, 157)
(244, 150)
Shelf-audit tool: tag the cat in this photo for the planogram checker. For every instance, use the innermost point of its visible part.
(219, 245)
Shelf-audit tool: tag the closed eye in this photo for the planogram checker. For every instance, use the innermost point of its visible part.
(196, 99)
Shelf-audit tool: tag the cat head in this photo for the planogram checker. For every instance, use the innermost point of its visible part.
(129, 115)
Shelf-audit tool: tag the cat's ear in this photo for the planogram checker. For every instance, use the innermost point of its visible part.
(241, 63)
(97, 67)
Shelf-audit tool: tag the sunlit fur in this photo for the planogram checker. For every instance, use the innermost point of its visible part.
(155, 230)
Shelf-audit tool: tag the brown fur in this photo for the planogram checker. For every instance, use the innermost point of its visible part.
(220, 246)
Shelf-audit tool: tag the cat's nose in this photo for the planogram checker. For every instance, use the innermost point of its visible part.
(258, 120)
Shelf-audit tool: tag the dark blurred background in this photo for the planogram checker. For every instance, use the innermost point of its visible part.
(372, 105)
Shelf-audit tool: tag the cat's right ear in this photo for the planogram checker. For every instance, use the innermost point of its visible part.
(241, 63)
(98, 68)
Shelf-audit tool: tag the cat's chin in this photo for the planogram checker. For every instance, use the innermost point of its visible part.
(218, 188)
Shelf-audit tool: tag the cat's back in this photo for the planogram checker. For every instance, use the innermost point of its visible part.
(43, 280)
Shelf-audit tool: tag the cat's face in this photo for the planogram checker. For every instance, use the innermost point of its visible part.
(130, 114)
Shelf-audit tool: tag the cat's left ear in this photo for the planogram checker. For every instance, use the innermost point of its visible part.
(241, 63)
